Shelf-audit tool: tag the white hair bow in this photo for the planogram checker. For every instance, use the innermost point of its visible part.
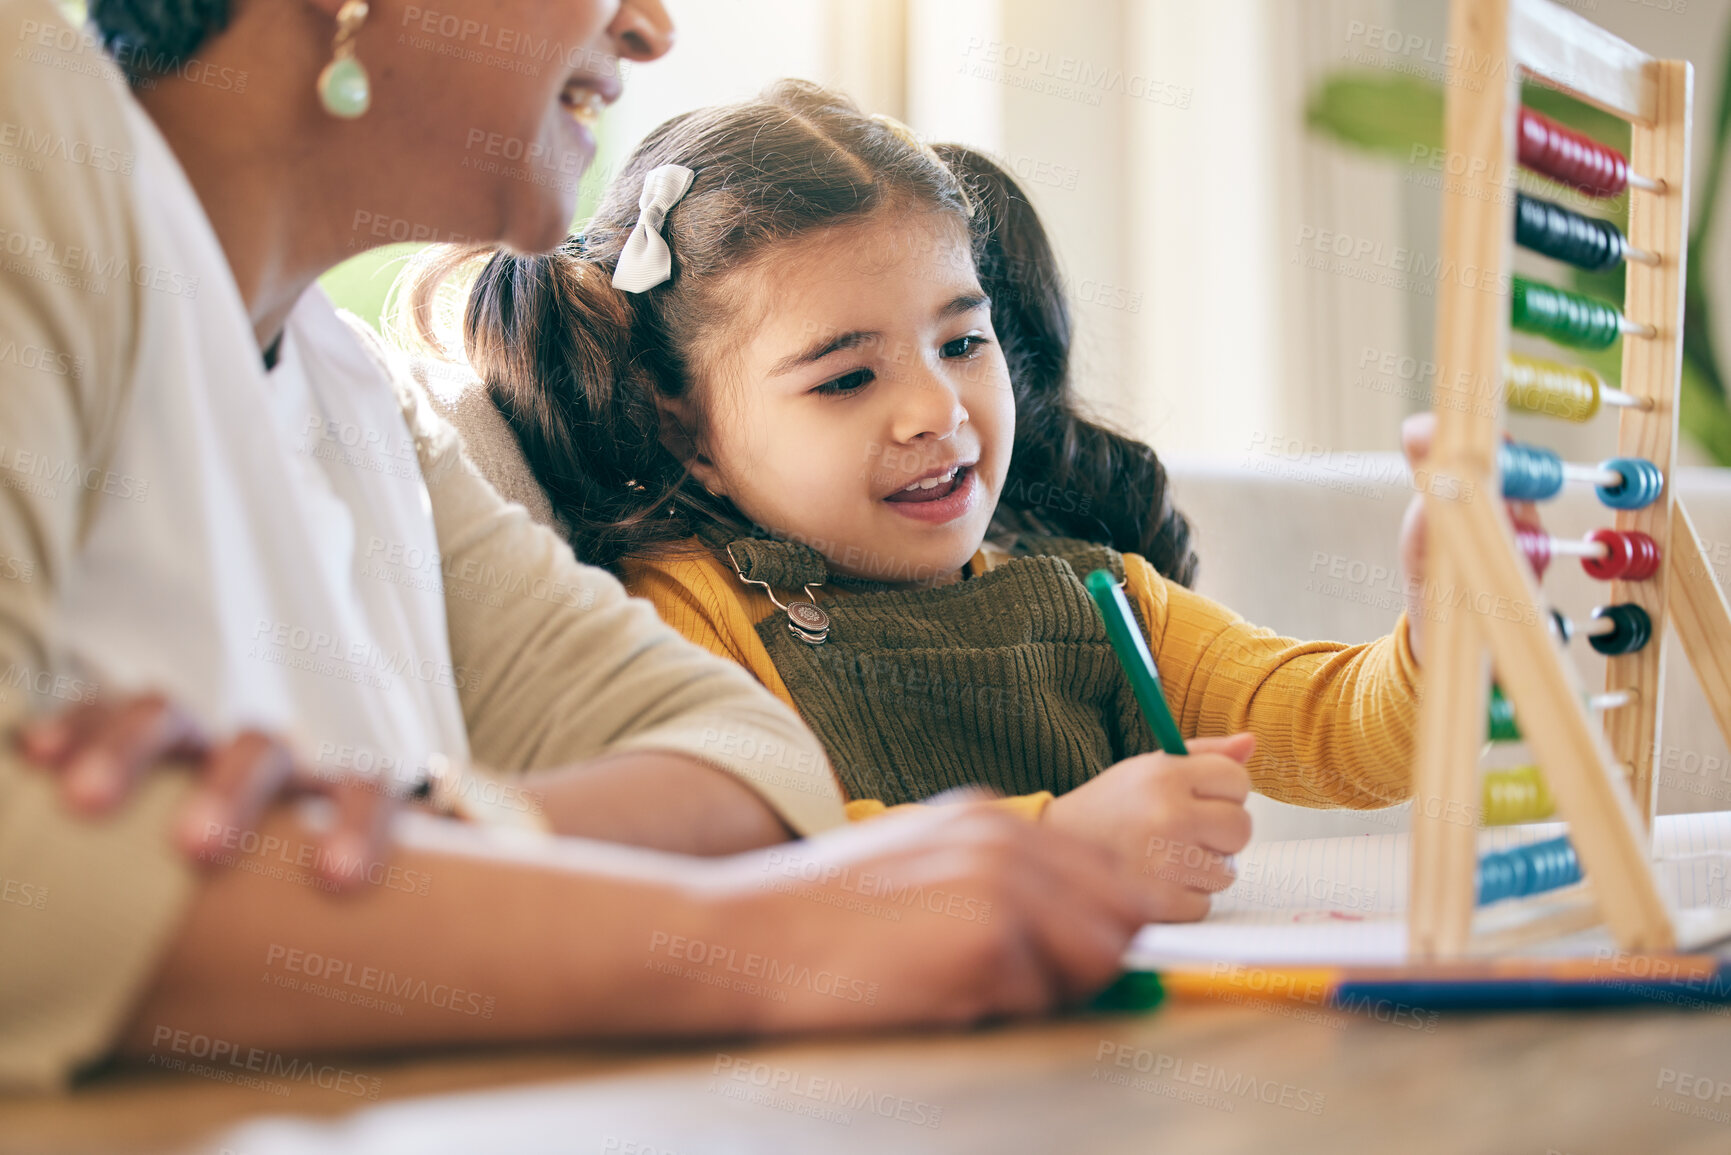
(646, 261)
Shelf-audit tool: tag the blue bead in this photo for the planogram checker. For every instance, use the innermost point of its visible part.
(1531, 869)
(1641, 485)
(1529, 472)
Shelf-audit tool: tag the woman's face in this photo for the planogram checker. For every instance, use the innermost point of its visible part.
(488, 107)
(868, 413)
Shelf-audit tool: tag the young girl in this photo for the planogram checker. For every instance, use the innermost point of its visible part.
(816, 407)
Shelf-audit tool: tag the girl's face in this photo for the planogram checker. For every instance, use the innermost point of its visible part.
(868, 414)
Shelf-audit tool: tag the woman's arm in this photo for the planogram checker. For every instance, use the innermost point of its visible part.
(943, 917)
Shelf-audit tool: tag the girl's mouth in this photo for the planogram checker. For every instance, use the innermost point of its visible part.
(940, 499)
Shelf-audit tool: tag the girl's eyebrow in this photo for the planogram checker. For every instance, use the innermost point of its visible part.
(854, 338)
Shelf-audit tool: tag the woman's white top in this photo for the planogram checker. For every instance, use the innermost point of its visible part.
(238, 579)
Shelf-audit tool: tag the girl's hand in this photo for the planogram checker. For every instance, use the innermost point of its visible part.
(1171, 822)
(100, 750)
(944, 916)
(1415, 439)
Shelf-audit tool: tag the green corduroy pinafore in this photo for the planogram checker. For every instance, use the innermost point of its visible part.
(1005, 680)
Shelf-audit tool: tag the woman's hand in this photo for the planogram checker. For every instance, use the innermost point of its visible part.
(947, 915)
(100, 750)
(1415, 438)
(1170, 822)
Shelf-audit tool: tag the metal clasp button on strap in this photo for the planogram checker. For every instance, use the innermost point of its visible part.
(805, 620)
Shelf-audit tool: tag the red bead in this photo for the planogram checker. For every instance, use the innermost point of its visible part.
(1536, 544)
(1570, 158)
(1631, 556)
(1618, 554)
(1646, 560)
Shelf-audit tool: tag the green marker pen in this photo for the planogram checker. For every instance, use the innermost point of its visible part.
(1133, 654)
(1134, 990)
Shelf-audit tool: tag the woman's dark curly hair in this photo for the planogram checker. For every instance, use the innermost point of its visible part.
(149, 37)
(580, 369)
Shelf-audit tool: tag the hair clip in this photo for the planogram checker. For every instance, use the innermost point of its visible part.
(646, 261)
(805, 620)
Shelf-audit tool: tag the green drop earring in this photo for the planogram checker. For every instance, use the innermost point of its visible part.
(344, 88)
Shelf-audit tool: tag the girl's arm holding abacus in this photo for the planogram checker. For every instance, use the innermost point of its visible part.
(1335, 723)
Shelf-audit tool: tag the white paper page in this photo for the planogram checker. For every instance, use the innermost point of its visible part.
(1343, 900)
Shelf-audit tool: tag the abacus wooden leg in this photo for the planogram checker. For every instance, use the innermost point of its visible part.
(1444, 820)
(1590, 791)
(1659, 223)
(1702, 617)
(1471, 341)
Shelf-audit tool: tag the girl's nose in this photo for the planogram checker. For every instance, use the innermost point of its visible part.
(930, 408)
(642, 30)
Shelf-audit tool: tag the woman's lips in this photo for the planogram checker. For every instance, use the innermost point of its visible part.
(941, 503)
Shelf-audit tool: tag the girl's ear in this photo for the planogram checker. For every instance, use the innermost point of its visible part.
(677, 422)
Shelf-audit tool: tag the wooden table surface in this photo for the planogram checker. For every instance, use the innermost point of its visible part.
(1190, 1078)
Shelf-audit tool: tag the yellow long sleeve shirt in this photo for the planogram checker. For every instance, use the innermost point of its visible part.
(1335, 723)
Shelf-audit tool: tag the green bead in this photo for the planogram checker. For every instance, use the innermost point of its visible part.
(1133, 991)
(1564, 317)
(1502, 727)
(344, 89)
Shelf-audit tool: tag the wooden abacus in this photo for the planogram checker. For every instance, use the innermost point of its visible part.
(1482, 574)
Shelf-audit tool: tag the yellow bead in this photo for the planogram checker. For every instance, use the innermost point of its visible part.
(1551, 388)
(1518, 794)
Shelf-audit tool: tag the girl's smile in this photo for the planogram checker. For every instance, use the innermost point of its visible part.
(943, 495)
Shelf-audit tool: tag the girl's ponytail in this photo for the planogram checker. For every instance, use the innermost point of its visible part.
(562, 356)
(1068, 475)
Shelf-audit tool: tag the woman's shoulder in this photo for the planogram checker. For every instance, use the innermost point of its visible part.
(80, 284)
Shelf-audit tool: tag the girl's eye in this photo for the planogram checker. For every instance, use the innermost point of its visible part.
(965, 347)
(847, 383)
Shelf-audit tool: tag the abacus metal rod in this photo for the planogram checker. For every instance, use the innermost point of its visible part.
(1579, 547)
(1636, 328)
(1595, 628)
(1612, 396)
(1643, 256)
(1645, 183)
(1597, 475)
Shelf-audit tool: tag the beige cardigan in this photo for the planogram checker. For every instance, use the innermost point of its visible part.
(86, 908)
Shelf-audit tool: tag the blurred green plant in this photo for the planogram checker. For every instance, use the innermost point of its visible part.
(1400, 116)
(362, 284)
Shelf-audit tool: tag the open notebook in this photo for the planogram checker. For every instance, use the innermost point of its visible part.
(1343, 900)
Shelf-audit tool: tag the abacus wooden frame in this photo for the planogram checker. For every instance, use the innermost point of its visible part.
(1483, 596)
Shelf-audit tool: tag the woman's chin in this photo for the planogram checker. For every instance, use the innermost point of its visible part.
(543, 227)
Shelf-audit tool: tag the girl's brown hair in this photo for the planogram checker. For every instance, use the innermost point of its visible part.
(580, 369)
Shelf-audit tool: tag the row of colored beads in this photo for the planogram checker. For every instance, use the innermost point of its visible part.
(1533, 473)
